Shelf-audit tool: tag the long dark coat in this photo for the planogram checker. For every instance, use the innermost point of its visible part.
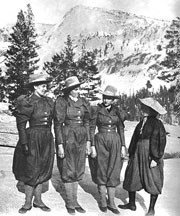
(36, 167)
(72, 130)
(147, 144)
(106, 167)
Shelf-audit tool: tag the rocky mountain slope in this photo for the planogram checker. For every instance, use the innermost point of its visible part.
(127, 44)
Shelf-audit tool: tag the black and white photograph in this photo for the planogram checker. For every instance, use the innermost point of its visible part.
(90, 107)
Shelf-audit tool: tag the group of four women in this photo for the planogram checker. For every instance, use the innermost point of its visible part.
(81, 130)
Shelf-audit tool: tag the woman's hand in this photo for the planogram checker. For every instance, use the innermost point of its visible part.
(61, 151)
(153, 164)
(93, 152)
(88, 148)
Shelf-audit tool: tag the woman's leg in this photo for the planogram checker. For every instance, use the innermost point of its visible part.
(131, 205)
(153, 199)
(111, 204)
(29, 190)
(38, 203)
(102, 193)
(69, 197)
(37, 195)
(76, 204)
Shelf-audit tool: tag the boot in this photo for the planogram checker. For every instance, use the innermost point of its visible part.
(69, 198)
(78, 208)
(111, 204)
(38, 203)
(103, 201)
(131, 205)
(151, 211)
(29, 190)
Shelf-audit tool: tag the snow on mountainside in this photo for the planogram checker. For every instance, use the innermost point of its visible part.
(130, 43)
(127, 44)
(94, 27)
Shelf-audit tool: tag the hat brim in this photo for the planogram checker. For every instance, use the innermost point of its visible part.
(157, 107)
(109, 96)
(29, 85)
(70, 88)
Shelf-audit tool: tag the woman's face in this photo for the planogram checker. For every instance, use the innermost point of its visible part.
(75, 92)
(40, 89)
(147, 111)
(144, 110)
(107, 101)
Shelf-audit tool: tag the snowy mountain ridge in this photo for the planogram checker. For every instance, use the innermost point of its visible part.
(127, 44)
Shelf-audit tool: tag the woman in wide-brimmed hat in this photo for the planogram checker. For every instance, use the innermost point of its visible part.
(108, 147)
(37, 79)
(34, 153)
(72, 139)
(145, 166)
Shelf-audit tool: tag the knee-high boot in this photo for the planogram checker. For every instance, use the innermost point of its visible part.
(131, 205)
(29, 190)
(75, 188)
(153, 199)
(132, 198)
(78, 208)
(37, 195)
(69, 195)
(102, 195)
(111, 204)
(38, 203)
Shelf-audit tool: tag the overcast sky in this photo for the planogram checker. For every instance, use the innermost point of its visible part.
(52, 11)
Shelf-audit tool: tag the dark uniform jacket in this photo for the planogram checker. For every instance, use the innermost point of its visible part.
(108, 124)
(154, 131)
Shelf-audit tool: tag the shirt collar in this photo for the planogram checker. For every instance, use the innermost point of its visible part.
(73, 98)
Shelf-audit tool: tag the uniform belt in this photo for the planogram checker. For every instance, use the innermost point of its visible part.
(74, 123)
(41, 125)
(107, 130)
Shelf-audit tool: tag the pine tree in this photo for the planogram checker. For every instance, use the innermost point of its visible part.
(2, 93)
(172, 60)
(87, 65)
(21, 57)
(64, 64)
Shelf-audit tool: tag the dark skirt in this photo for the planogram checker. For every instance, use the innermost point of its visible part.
(72, 166)
(35, 168)
(106, 167)
(139, 175)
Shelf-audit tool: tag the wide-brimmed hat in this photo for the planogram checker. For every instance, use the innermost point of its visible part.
(154, 104)
(37, 79)
(71, 83)
(110, 92)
